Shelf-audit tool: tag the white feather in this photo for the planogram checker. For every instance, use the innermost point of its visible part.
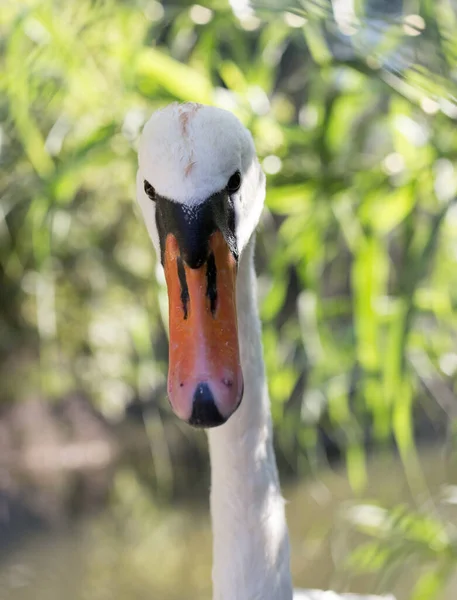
(187, 153)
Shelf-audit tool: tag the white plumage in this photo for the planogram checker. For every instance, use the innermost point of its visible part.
(188, 152)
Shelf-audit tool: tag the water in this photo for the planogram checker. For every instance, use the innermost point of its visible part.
(136, 550)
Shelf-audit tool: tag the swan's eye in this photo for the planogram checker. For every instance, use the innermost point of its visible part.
(234, 183)
(150, 191)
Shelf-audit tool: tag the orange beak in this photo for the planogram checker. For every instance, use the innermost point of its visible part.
(205, 382)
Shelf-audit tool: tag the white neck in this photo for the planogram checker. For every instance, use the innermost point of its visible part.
(251, 544)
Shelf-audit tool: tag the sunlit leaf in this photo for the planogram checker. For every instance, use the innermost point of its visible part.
(289, 199)
(384, 210)
(182, 81)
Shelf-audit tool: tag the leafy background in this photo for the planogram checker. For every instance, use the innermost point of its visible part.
(354, 122)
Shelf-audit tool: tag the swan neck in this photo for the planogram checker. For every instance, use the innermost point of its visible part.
(251, 546)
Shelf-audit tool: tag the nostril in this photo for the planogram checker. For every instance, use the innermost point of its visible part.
(204, 410)
(181, 384)
(227, 382)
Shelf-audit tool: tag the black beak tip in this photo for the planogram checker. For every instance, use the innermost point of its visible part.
(204, 410)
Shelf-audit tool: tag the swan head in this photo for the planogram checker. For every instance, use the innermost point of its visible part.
(201, 191)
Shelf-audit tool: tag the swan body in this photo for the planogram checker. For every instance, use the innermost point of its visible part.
(192, 157)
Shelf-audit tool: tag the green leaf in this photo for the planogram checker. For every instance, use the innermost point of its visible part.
(383, 210)
(429, 585)
(289, 199)
(369, 282)
(180, 80)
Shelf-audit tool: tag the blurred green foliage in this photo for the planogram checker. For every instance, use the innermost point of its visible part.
(401, 537)
(356, 252)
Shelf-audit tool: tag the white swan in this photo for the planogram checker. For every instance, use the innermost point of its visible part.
(201, 192)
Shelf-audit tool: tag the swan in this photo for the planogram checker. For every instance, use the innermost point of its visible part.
(201, 191)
